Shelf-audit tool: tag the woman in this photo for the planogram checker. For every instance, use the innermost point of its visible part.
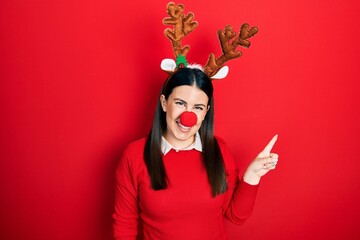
(181, 182)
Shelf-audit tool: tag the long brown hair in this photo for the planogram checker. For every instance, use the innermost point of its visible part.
(211, 154)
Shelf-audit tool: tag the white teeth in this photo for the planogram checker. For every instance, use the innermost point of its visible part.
(184, 127)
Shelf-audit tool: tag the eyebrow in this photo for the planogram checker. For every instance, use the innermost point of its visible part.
(197, 105)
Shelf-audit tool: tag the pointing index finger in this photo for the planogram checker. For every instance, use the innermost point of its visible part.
(270, 145)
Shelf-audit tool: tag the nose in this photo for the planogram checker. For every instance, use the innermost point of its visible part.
(188, 119)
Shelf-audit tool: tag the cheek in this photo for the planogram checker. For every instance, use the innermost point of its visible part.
(173, 113)
(201, 117)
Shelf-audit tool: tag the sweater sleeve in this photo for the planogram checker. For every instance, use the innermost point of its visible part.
(126, 212)
(240, 196)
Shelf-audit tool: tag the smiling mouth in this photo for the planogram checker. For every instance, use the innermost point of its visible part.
(182, 127)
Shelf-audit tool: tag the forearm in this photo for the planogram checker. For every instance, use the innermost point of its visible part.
(125, 227)
(251, 178)
(242, 202)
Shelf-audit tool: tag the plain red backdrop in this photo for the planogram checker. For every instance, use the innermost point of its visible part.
(79, 80)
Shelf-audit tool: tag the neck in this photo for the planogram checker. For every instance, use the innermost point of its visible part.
(179, 145)
(182, 148)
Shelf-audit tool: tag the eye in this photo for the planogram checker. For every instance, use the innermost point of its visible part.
(180, 103)
(199, 108)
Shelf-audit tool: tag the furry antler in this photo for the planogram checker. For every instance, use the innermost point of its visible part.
(214, 65)
(183, 25)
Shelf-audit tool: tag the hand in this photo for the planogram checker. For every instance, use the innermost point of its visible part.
(262, 164)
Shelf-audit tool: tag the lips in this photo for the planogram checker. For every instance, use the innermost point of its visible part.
(182, 127)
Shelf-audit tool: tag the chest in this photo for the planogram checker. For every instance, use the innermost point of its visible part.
(188, 192)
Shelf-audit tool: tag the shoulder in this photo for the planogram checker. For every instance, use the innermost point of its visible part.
(222, 144)
(134, 153)
(131, 165)
(220, 140)
(136, 146)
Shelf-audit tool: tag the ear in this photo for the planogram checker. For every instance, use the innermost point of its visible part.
(222, 73)
(168, 65)
(163, 102)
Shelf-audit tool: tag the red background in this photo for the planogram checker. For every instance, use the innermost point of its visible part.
(79, 80)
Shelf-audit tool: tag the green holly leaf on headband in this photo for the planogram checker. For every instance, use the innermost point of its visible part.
(181, 60)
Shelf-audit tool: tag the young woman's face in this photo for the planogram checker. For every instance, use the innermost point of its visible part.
(183, 98)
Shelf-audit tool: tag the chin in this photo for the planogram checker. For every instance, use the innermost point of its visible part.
(184, 136)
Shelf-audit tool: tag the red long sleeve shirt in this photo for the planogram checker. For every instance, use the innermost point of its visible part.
(184, 210)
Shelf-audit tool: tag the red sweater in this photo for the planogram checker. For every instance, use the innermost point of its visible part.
(184, 210)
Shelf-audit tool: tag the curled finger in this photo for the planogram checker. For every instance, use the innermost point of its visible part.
(270, 165)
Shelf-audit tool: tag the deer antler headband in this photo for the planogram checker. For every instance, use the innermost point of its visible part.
(184, 24)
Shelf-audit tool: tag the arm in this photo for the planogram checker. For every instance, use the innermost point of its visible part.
(126, 212)
(240, 197)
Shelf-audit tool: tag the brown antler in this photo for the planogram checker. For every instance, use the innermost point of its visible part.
(214, 65)
(183, 25)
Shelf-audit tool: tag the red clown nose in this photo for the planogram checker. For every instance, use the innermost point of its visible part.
(188, 119)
